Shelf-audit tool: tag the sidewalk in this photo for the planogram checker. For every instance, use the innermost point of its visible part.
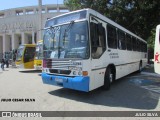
(149, 68)
(5, 68)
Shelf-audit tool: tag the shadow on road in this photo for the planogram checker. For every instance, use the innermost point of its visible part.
(30, 71)
(122, 94)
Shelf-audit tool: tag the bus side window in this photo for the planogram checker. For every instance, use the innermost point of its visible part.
(145, 48)
(98, 40)
(141, 46)
(111, 36)
(129, 42)
(134, 44)
(29, 54)
(121, 40)
(138, 45)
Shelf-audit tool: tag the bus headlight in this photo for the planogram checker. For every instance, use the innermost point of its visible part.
(74, 72)
(79, 73)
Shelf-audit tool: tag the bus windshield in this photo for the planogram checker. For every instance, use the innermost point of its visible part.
(39, 51)
(20, 52)
(29, 54)
(66, 41)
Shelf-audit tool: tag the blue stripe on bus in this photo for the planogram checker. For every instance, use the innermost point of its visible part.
(80, 83)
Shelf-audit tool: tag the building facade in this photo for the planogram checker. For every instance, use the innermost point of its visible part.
(24, 25)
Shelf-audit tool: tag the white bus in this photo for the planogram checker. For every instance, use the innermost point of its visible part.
(157, 51)
(84, 50)
(38, 56)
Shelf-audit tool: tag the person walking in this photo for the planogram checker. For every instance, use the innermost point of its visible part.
(7, 62)
(2, 64)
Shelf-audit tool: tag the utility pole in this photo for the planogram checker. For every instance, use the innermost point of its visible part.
(57, 6)
(40, 16)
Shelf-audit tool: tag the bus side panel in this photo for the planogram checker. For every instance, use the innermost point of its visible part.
(29, 65)
(157, 51)
(123, 70)
(144, 62)
(97, 79)
(98, 69)
(37, 64)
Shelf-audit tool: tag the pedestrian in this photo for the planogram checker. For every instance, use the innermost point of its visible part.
(2, 64)
(14, 57)
(7, 63)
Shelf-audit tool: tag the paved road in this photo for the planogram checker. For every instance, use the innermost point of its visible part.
(136, 92)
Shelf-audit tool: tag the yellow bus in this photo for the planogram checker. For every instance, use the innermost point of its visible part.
(25, 56)
(38, 55)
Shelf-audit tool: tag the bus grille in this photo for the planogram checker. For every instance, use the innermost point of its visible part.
(58, 71)
(58, 64)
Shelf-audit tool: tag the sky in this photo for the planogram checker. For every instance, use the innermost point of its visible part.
(7, 4)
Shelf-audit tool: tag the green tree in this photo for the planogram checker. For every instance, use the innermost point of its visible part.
(73, 4)
(138, 16)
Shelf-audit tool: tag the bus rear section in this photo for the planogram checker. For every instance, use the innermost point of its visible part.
(157, 51)
(25, 56)
(38, 56)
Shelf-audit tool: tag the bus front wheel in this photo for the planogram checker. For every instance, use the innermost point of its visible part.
(108, 79)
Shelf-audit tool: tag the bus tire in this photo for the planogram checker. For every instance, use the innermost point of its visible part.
(108, 78)
(140, 67)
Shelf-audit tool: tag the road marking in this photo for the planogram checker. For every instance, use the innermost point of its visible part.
(148, 73)
(153, 88)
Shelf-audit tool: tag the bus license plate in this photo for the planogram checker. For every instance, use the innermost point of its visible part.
(59, 80)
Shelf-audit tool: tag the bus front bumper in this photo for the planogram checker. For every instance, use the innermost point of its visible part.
(80, 83)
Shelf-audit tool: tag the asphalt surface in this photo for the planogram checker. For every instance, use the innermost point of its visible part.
(135, 92)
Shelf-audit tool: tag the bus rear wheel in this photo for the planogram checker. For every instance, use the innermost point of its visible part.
(108, 79)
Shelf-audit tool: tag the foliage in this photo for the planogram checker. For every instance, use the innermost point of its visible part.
(151, 39)
(138, 16)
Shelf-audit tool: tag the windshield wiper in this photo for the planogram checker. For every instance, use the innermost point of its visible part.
(64, 37)
(66, 30)
(50, 31)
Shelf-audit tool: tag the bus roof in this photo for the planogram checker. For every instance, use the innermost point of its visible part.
(76, 11)
(158, 27)
(114, 23)
(104, 18)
